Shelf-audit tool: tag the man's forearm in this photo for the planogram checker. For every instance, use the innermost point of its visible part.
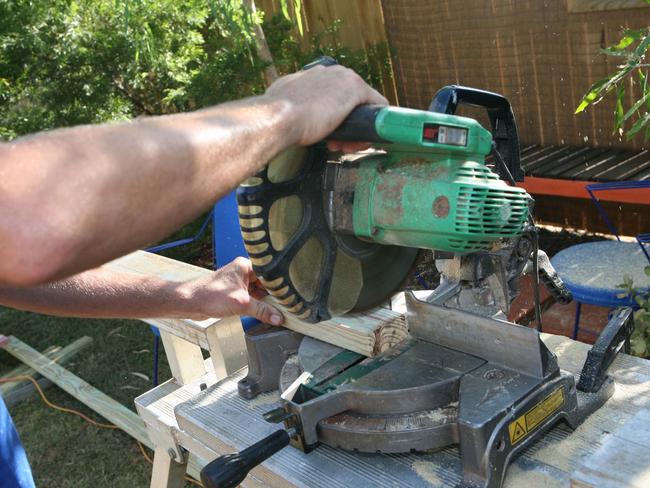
(101, 293)
(73, 199)
(88, 194)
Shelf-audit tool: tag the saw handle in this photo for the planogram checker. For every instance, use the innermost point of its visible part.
(502, 120)
(359, 125)
(229, 470)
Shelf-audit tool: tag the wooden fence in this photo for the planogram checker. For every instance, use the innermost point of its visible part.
(362, 26)
(542, 55)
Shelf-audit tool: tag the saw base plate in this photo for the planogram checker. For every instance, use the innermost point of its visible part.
(423, 396)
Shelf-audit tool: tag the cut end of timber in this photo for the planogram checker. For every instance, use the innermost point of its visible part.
(389, 334)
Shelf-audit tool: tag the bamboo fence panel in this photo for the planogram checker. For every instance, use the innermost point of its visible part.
(362, 26)
(540, 55)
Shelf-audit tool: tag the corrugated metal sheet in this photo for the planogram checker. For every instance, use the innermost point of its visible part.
(585, 163)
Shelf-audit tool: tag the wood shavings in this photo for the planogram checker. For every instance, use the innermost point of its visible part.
(424, 470)
(264, 399)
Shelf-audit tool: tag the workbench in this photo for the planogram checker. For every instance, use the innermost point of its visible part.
(217, 421)
(202, 414)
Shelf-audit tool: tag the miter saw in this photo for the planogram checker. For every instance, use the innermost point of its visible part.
(329, 236)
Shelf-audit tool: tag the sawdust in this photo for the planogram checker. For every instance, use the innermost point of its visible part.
(424, 470)
(264, 399)
(516, 477)
(562, 454)
(443, 414)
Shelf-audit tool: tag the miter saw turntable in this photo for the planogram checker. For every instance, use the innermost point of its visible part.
(329, 237)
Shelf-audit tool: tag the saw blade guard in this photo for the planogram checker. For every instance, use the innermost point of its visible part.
(312, 272)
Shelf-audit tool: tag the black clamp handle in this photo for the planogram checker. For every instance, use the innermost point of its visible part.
(229, 470)
(552, 280)
(504, 127)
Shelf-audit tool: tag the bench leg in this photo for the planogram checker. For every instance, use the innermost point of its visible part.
(576, 324)
(166, 472)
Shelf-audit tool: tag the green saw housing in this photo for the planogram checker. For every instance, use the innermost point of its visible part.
(431, 188)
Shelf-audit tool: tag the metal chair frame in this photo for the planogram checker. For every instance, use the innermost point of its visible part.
(641, 239)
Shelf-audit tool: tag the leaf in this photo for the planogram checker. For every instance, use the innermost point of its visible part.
(285, 9)
(643, 45)
(638, 125)
(593, 95)
(646, 270)
(140, 375)
(619, 112)
(297, 8)
(643, 81)
(636, 106)
(625, 41)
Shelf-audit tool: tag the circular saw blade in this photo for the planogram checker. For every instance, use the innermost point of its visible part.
(312, 272)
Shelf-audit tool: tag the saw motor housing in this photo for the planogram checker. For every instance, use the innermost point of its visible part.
(328, 236)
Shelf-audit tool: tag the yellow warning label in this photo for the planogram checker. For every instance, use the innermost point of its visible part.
(523, 425)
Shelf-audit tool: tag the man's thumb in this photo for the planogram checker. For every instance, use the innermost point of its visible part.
(265, 312)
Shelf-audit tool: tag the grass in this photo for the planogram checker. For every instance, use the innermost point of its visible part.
(64, 450)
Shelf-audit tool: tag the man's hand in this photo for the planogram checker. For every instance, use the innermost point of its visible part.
(321, 98)
(231, 290)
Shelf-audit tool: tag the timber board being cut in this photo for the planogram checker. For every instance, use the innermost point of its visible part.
(368, 333)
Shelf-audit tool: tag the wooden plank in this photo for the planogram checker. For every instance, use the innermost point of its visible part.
(575, 6)
(623, 461)
(25, 391)
(190, 330)
(55, 353)
(15, 392)
(368, 333)
(111, 410)
(166, 473)
(78, 388)
(227, 347)
(185, 359)
(23, 370)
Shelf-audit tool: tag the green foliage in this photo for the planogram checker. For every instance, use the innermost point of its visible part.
(640, 338)
(631, 49)
(68, 62)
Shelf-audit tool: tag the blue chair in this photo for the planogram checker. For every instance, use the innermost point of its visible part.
(593, 271)
(227, 245)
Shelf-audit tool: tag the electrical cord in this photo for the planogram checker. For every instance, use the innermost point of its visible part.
(54, 406)
(82, 415)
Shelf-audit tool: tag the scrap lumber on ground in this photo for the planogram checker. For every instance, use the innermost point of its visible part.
(111, 410)
(23, 370)
(16, 391)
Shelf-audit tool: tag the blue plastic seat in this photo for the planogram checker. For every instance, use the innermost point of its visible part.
(594, 271)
